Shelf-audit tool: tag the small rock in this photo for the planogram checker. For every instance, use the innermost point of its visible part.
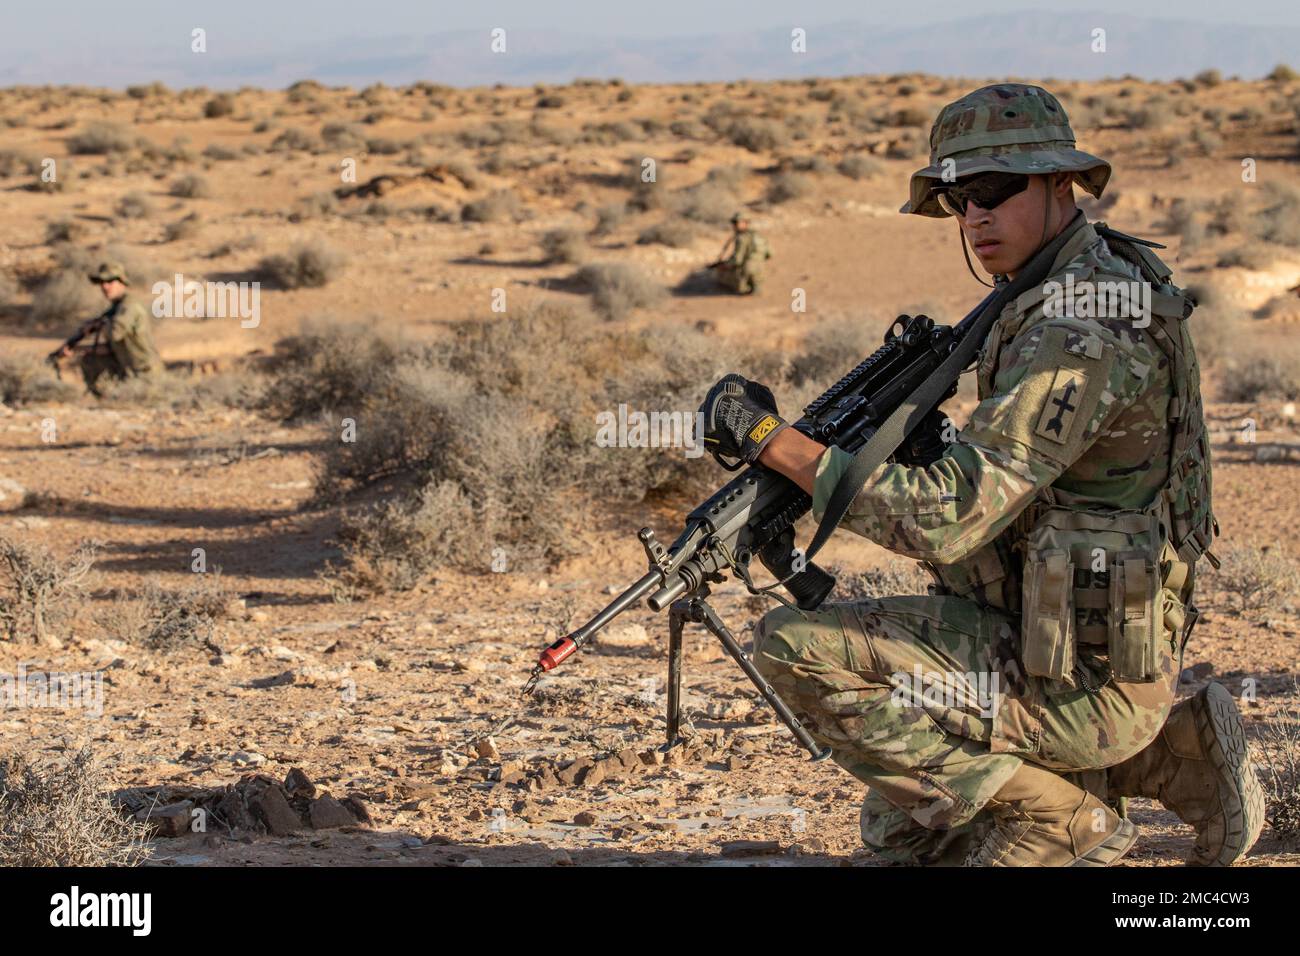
(327, 813)
(750, 847)
(297, 783)
(169, 821)
(487, 747)
(561, 858)
(273, 808)
(12, 495)
(586, 819)
(1198, 671)
(277, 680)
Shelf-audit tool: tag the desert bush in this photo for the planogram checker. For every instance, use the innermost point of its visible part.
(63, 230)
(1257, 577)
(609, 218)
(223, 104)
(757, 135)
(880, 582)
(185, 228)
(1253, 376)
(215, 151)
(1276, 753)
(330, 365)
(101, 138)
(25, 380)
(712, 201)
(8, 291)
(14, 163)
(617, 288)
(564, 245)
(910, 116)
(308, 265)
(677, 233)
(190, 187)
(38, 590)
(134, 205)
(292, 140)
(169, 620)
(311, 207)
(500, 206)
(60, 814)
(62, 298)
(787, 186)
(1283, 74)
(859, 166)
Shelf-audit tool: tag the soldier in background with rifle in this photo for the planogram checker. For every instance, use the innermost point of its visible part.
(121, 338)
(738, 267)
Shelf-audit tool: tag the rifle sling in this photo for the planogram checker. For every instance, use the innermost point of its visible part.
(895, 429)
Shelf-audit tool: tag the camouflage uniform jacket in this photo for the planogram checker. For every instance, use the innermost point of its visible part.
(126, 328)
(751, 249)
(1072, 411)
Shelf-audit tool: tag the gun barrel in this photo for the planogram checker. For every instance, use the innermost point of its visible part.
(565, 646)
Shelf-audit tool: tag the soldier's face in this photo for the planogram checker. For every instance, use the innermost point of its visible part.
(1003, 238)
(113, 289)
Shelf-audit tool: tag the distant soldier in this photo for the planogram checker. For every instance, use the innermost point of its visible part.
(740, 270)
(121, 338)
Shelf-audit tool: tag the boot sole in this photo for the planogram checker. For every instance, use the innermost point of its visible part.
(1109, 850)
(1223, 737)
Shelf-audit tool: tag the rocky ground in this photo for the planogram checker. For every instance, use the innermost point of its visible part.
(391, 729)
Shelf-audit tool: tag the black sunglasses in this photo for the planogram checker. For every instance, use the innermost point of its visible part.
(987, 190)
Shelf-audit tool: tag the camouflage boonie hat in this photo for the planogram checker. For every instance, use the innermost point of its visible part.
(737, 217)
(108, 271)
(1008, 127)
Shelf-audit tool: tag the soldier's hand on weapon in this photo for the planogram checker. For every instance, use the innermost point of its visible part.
(740, 418)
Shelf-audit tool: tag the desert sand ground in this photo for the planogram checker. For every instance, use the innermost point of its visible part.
(390, 697)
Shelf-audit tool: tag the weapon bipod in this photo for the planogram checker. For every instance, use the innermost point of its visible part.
(697, 609)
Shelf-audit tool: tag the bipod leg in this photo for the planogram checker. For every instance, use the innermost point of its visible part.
(678, 614)
(702, 612)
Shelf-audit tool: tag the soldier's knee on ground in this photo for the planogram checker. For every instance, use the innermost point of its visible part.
(773, 651)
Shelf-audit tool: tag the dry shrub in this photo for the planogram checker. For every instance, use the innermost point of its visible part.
(219, 153)
(171, 620)
(14, 163)
(60, 814)
(134, 205)
(1258, 374)
(64, 297)
(64, 230)
(677, 233)
(787, 186)
(25, 380)
(314, 206)
(859, 166)
(223, 104)
(757, 135)
(500, 206)
(293, 139)
(712, 201)
(564, 245)
(484, 451)
(39, 590)
(617, 288)
(185, 228)
(880, 582)
(100, 138)
(1277, 756)
(330, 365)
(1257, 577)
(191, 187)
(308, 265)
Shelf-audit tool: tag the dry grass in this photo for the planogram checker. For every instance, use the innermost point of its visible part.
(60, 814)
(1258, 578)
(617, 288)
(38, 590)
(308, 265)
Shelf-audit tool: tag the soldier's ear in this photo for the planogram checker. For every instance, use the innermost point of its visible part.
(1063, 185)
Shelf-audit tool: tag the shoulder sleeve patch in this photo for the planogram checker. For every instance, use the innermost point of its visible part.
(1051, 408)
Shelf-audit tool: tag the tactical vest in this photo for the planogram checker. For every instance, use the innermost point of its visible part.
(1114, 582)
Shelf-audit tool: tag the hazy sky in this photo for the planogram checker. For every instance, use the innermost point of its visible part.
(89, 40)
(34, 28)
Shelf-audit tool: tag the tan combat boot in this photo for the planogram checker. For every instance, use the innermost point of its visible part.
(1042, 819)
(1199, 767)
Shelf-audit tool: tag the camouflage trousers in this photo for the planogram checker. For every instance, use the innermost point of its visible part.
(96, 366)
(743, 280)
(924, 700)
